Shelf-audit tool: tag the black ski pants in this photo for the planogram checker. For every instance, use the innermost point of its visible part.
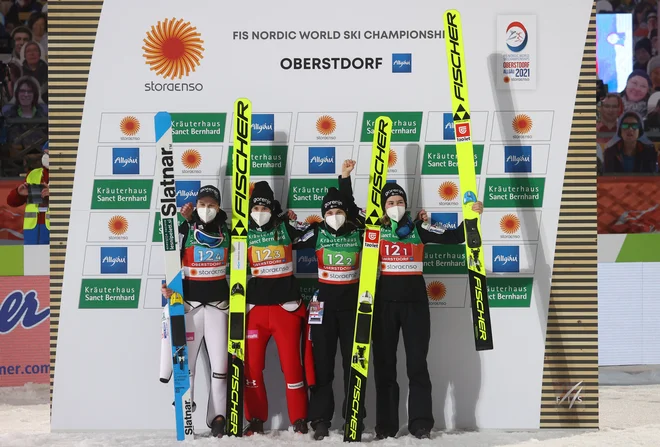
(413, 319)
(337, 325)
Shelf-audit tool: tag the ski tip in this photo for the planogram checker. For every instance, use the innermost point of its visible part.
(242, 101)
(162, 122)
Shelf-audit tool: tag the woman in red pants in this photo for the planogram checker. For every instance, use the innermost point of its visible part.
(275, 310)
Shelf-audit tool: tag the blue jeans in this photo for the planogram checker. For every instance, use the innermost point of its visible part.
(39, 235)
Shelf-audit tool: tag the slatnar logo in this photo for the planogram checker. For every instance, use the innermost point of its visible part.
(173, 49)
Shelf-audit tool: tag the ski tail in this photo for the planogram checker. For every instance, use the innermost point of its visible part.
(174, 278)
(241, 162)
(468, 181)
(357, 383)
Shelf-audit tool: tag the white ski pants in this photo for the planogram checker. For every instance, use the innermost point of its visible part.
(208, 323)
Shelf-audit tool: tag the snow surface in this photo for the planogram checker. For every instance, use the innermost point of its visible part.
(629, 415)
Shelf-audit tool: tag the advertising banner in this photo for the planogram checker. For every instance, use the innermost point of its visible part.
(24, 335)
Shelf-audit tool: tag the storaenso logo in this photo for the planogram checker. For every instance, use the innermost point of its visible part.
(379, 164)
(456, 63)
(241, 160)
(480, 309)
(355, 407)
(234, 427)
(173, 49)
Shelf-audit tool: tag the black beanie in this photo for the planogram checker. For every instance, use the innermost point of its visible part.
(209, 191)
(262, 195)
(333, 199)
(392, 189)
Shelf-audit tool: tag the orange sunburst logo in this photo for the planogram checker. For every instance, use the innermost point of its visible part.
(193, 272)
(510, 224)
(173, 48)
(118, 225)
(436, 290)
(391, 160)
(326, 124)
(522, 123)
(191, 158)
(313, 218)
(507, 79)
(324, 275)
(448, 191)
(129, 125)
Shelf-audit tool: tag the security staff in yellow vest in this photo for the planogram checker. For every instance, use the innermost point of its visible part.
(34, 194)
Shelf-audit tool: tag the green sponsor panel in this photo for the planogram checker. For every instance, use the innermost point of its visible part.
(308, 193)
(158, 234)
(510, 292)
(266, 160)
(514, 192)
(406, 126)
(307, 288)
(109, 293)
(122, 194)
(198, 127)
(440, 159)
(642, 247)
(444, 259)
(11, 260)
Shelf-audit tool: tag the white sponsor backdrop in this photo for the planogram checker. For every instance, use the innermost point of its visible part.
(108, 349)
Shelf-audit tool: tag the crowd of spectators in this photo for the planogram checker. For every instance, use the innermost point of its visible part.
(23, 85)
(628, 122)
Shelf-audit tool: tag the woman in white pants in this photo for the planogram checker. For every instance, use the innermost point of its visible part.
(204, 240)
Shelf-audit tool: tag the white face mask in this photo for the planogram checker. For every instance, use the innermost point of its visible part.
(335, 221)
(45, 160)
(396, 212)
(261, 218)
(207, 214)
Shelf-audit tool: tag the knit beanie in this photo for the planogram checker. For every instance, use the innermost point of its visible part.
(332, 200)
(262, 195)
(392, 189)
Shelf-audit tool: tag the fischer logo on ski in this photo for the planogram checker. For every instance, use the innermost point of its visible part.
(239, 229)
(367, 287)
(467, 181)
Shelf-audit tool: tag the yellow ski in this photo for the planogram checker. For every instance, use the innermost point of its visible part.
(467, 180)
(357, 383)
(238, 275)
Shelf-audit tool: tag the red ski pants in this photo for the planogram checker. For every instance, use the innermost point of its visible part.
(264, 321)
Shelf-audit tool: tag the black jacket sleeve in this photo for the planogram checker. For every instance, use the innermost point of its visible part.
(183, 231)
(355, 214)
(439, 235)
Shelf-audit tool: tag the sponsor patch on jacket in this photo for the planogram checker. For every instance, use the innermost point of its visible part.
(433, 228)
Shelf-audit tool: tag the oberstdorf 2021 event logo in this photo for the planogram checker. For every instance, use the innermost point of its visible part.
(173, 50)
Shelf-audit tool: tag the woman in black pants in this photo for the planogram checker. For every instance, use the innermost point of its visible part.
(401, 304)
